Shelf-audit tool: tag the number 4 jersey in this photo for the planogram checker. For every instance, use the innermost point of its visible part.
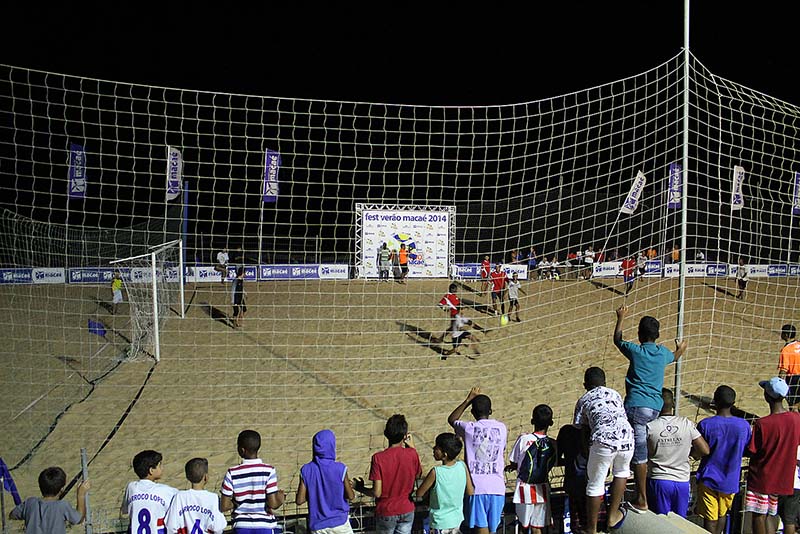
(195, 512)
(146, 504)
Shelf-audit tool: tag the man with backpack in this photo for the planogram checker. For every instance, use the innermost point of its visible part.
(601, 413)
(532, 457)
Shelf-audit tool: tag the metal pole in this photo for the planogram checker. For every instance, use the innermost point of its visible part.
(684, 198)
(85, 474)
(3, 503)
(181, 268)
(260, 228)
(156, 340)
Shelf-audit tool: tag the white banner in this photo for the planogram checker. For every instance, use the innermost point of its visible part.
(632, 200)
(737, 198)
(425, 234)
(174, 173)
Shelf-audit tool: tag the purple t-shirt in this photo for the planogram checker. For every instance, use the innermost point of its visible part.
(484, 451)
(727, 438)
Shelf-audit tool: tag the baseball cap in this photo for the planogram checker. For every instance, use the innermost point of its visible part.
(775, 387)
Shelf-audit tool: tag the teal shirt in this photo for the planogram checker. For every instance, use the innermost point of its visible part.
(447, 496)
(645, 376)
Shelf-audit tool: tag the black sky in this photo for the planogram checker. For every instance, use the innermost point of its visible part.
(402, 53)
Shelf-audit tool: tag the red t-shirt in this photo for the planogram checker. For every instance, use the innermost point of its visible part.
(451, 302)
(628, 266)
(498, 280)
(773, 449)
(486, 268)
(397, 468)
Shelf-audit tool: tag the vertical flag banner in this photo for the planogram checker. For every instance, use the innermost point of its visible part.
(675, 192)
(77, 171)
(272, 164)
(737, 199)
(796, 195)
(632, 200)
(174, 173)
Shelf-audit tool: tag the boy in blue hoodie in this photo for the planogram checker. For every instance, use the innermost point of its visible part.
(324, 484)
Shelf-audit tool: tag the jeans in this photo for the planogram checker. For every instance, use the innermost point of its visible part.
(639, 416)
(394, 524)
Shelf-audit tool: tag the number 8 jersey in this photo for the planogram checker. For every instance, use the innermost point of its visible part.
(146, 504)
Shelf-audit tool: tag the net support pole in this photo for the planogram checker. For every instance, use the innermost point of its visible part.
(684, 198)
(154, 281)
(85, 474)
(181, 270)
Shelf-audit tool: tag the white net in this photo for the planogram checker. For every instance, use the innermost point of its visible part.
(321, 347)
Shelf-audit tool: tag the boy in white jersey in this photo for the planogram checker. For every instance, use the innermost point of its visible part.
(195, 510)
(460, 335)
(514, 287)
(146, 501)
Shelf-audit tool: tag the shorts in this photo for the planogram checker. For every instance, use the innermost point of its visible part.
(497, 295)
(341, 529)
(758, 503)
(534, 515)
(600, 459)
(629, 279)
(445, 530)
(712, 505)
(742, 284)
(789, 508)
(394, 524)
(404, 269)
(513, 302)
(117, 296)
(239, 309)
(485, 511)
(638, 417)
(665, 496)
(465, 334)
(244, 530)
(793, 381)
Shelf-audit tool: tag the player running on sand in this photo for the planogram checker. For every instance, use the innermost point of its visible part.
(461, 335)
(499, 280)
(486, 269)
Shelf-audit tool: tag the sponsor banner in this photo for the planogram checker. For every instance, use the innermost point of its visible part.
(425, 234)
(250, 272)
(520, 268)
(632, 200)
(606, 269)
(737, 197)
(49, 276)
(16, 276)
(693, 270)
(796, 194)
(77, 171)
(675, 186)
(652, 268)
(272, 164)
(324, 271)
(85, 275)
(717, 269)
(754, 271)
(332, 271)
(794, 270)
(174, 173)
(467, 270)
(201, 273)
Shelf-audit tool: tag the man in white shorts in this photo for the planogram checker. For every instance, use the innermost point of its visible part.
(601, 412)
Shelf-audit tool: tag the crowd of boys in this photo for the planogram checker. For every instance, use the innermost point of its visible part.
(608, 433)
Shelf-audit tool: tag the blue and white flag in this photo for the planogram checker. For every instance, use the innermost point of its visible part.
(96, 327)
(77, 171)
(8, 482)
(272, 164)
(174, 173)
(632, 200)
(675, 192)
(796, 195)
(737, 198)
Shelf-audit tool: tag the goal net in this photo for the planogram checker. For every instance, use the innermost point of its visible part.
(95, 170)
(154, 284)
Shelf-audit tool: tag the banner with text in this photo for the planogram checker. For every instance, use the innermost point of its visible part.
(675, 186)
(632, 200)
(77, 171)
(272, 164)
(737, 197)
(425, 234)
(174, 173)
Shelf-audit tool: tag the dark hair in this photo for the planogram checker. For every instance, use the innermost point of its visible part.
(594, 377)
(249, 441)
(724, 397)
(240, 271)
(449, 444)
(542, 417)
(481, 406)
(196, 469)
(452, 287)
(396, 428)
(648, 329)
(51, 481)
(145, 461)
(789, 331)
(669, 399)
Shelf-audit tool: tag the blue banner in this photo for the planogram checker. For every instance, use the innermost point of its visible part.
(16, 276)
(675, 186)
(91, 276)
(777, 270)
(250, 272)
(796, 194)
(737, 196)
(174, 173)
(326, 271)
(272, 164)
(717, 269)
(77, 171)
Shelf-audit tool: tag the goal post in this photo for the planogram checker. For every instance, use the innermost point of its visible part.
(154, 282)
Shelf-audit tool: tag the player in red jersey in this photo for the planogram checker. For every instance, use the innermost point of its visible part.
(628, 269)
(486, 269)
(499, 281)
(449, 303)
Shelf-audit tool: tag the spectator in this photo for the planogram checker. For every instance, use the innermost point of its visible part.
(484, 443)
(641, 263)
(327, 489)
(384, 262)
(773, 459)
(393, 472)
(222, 264)
(532, 262)
(719, 473)
(700, 256)
(643, 383)
(195, 509)
(146, 501)
(676, 254)
(789, 364)
(671, 439)
(48, 514)
(573, 454)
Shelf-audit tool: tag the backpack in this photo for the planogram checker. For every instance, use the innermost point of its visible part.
(537, 462)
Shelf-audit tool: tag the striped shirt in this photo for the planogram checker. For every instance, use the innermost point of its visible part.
(248, 485)
(527, 493)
